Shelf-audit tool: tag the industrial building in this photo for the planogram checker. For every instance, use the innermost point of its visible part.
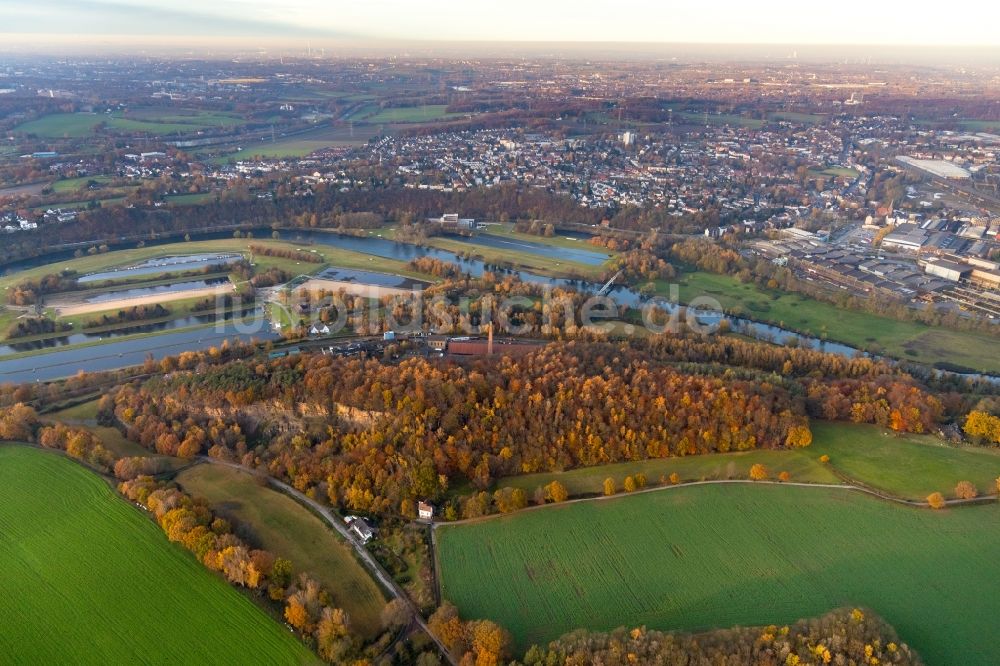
(948, 270)
(939, 168)
(905, 238)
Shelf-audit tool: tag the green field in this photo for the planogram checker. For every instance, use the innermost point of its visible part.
(87, 579)
(901, 339)
(278, 523)
(796, 117)
(694, 558)
(194, 199)
(74, 184)
(81, 125)
(85, 413)
(83, 203)
(570, 240)
(410, 114)
(803, 465)
(57, 125)
(909, 466)
(304, 143)
(720, 119)
(906, 466)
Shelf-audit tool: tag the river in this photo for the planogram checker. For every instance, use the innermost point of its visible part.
(120, 354)
(124, 353)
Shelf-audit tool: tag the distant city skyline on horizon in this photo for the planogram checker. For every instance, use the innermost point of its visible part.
(342, 24)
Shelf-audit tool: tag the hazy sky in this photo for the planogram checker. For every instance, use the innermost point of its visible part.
(711, 21)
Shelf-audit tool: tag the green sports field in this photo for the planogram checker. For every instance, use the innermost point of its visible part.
(87, 579)
(717, 556)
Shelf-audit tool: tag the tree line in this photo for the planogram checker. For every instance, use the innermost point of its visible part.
(129, 315)
(29, 326)
(304, 604)
(286, 253)
(843, 636)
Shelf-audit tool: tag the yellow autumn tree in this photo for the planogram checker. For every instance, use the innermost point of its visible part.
(936, 501)
(982, 427)
(333, 639)
(759, 472)
(556, 492)
(489, 642)
(609, 486)
(799, 437)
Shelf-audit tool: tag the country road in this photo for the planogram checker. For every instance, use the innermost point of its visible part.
(367, 560)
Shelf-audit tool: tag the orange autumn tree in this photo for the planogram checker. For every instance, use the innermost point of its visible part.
(966, 490)
(759, 472)
(296, 613)
(936, 501)
(17, 422)
(447, 626)
(556, 492)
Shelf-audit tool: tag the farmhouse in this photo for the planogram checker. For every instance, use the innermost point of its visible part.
(361, 529)
(425, 510)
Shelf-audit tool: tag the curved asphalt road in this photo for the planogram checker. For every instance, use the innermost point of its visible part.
(369, 562)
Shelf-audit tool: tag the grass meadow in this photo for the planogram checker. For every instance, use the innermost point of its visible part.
(907, 340)
(81, 125)
(803, 466)
(694, 558)
(278, 523)
(908, 466)
(411, 114)
(87, 579)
